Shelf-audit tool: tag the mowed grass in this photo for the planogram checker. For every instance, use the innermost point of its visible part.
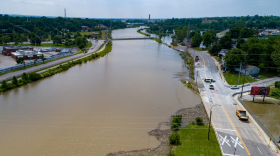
(267, 75)
(232, 78)
(194, 142)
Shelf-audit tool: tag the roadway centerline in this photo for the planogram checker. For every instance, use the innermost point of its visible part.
(233, 126)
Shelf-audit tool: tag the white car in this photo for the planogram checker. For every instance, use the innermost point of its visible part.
(234, 87)
(211, 87)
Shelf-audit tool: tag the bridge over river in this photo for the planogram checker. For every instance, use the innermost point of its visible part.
(132, 38)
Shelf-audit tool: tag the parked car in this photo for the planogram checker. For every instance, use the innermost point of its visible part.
(211, 87)
(234, 87)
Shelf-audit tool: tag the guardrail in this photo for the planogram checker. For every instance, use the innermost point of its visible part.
(274, 140)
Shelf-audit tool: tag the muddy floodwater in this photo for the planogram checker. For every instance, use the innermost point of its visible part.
(105, 105)
(268, 113)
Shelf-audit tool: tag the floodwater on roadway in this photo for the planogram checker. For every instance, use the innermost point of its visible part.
(268, 113)
(102, 106)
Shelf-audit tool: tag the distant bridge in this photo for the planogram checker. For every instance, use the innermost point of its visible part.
(138, 38)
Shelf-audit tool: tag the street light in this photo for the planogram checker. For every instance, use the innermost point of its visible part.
(210, 118)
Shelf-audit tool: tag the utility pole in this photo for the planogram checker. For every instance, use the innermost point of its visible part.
(210, 119)
(243, 84)
(239, 72)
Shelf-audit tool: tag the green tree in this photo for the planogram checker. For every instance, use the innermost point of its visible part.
(226, 42)
(20, 60)
(207, 39)
(215, 49)
(35, 40)
(57, 39)
(234, 57)
(247, 32)
(240, 41)
(24, 77)
(43, 58)
(234, 32)
(196, 39)
(5, 39)
(4, 85)
(15, 81)
(276, 54)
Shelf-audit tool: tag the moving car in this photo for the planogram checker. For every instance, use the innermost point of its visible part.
(241, 114)
(211, 86)
(208, 80)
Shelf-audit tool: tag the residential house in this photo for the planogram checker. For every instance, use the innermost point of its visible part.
(85, 28)
(103, 27)
(250, 70)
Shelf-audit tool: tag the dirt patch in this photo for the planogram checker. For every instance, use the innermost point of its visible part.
(188, 115)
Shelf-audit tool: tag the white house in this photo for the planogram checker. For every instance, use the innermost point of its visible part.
(250, 70)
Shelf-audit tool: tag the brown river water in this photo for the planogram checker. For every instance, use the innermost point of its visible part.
(105, 105)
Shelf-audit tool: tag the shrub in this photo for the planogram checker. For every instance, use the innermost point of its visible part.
(24, 76)
(34, 76)
(177, 119)
(174, 139)
(193, 123)
(199, 121)
(15, 81)
(4, 85)
(171, 153)
(275, 92)
(174, 127)
(277, 84)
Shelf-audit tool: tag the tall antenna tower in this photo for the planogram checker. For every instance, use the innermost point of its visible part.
(65, 12)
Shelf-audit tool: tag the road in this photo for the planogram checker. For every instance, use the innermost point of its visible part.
(95, 47)
(235, 136)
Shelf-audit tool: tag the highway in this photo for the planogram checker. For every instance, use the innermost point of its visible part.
(94, 48)
(235, 136)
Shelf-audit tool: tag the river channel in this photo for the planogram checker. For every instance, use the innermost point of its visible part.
(102, 106)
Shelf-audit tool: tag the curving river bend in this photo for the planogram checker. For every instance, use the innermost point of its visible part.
(105, 105)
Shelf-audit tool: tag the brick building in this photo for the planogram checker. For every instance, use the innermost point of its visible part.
(27, 55)
(85, 28)
(8, 50)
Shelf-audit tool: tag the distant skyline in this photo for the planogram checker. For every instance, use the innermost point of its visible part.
(141, 8)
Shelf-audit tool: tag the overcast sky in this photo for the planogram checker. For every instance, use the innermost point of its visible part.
(141, 8)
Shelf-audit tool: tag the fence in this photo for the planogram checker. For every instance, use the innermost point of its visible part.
(274, 140)
(58, 55)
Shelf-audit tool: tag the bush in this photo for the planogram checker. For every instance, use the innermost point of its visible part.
(15, 81)
(193, 123)
(34, 76)
(174, 139)
(177, 119)
(275, 93)
(4, 85)
(174, 127)
(199, 121)
(277, 84)
(171, 153)
(24, 76)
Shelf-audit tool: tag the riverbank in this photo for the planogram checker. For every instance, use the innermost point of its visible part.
(31, 77)
(162, 134)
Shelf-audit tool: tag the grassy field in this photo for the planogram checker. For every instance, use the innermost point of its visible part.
(194, 142)
(267, 75)
(232, 78)
(201, 49)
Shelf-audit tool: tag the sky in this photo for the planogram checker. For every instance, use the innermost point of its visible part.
(141, 8)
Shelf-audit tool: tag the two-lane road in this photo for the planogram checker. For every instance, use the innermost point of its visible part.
(235, 136)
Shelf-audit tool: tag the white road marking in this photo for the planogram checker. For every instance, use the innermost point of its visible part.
(224, 140)
(230, 154)
(260, 150)
(219, 116)
(225, 129)
(236, 142)
(246, 130)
